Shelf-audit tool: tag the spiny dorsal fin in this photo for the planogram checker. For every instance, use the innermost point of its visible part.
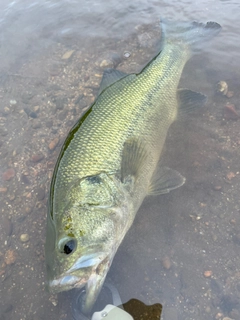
(189, 100)
(109, 77)
(164, 180)
(133, 157)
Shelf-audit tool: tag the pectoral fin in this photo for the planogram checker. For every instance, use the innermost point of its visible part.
(164, 180)
(134, 156)
(189, 100)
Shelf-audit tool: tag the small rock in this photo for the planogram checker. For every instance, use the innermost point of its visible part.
(53, 144)
(230, 175)
(11, 197)
(166, 262)
(32, 114)
(37, 157)
(8, 174)
(67, 55)
(36, 124)
(222, 87)
(13, 102)
(217, 188)
(230, 112)
(207, 273)
(3, 189)
(10, 257)
(25, 179)
(36, 108)
(24, 237)
(127, 54)
(106, 64)
(40, 194)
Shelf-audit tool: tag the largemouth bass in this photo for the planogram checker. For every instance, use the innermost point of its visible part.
(110, 162)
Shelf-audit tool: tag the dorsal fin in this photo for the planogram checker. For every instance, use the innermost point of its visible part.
(109, 77)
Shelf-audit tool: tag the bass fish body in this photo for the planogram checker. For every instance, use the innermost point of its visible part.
(110, 162)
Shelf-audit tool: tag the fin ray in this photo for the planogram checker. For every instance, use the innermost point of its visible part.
(164, 180)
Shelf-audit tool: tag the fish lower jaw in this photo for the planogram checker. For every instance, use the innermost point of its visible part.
(66, 283)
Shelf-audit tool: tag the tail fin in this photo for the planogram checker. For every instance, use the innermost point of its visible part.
(191, 33)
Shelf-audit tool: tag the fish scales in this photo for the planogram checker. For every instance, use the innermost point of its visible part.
(129, 107)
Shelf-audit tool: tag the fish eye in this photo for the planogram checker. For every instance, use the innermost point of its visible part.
(68, 246)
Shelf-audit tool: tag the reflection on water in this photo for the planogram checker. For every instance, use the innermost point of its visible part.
(183, 249)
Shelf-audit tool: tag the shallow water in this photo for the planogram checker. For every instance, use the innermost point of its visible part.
(183, 249)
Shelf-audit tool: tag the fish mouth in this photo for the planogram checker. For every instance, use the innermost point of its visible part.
(86, 266)
(66, 283)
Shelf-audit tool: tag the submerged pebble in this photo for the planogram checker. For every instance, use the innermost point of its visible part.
(67, 55)
(166, 262)
(13, 102)
(106, 64)
(53, 144)
(230, 112)
(36, 124)
(3, 189)
(37, 157)
(207, 273)
(10, 257)
(40, 194)
(24, 237)
(222, 87)
(8, 174)
(127, 54)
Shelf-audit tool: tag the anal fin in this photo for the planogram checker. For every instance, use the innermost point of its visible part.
(164, 180)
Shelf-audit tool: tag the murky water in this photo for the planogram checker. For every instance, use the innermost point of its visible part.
(183, 249)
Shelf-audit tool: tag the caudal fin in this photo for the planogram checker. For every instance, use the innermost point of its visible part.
(193, 33)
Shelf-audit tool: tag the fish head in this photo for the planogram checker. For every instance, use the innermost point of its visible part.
(82, 242)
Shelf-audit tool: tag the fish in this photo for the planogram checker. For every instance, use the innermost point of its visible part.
(111, 160)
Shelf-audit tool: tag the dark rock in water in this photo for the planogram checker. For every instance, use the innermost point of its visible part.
(40, 194)
(8, 174)
(36, 124)
(24, 179)
(6, 226)
(37, 157)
